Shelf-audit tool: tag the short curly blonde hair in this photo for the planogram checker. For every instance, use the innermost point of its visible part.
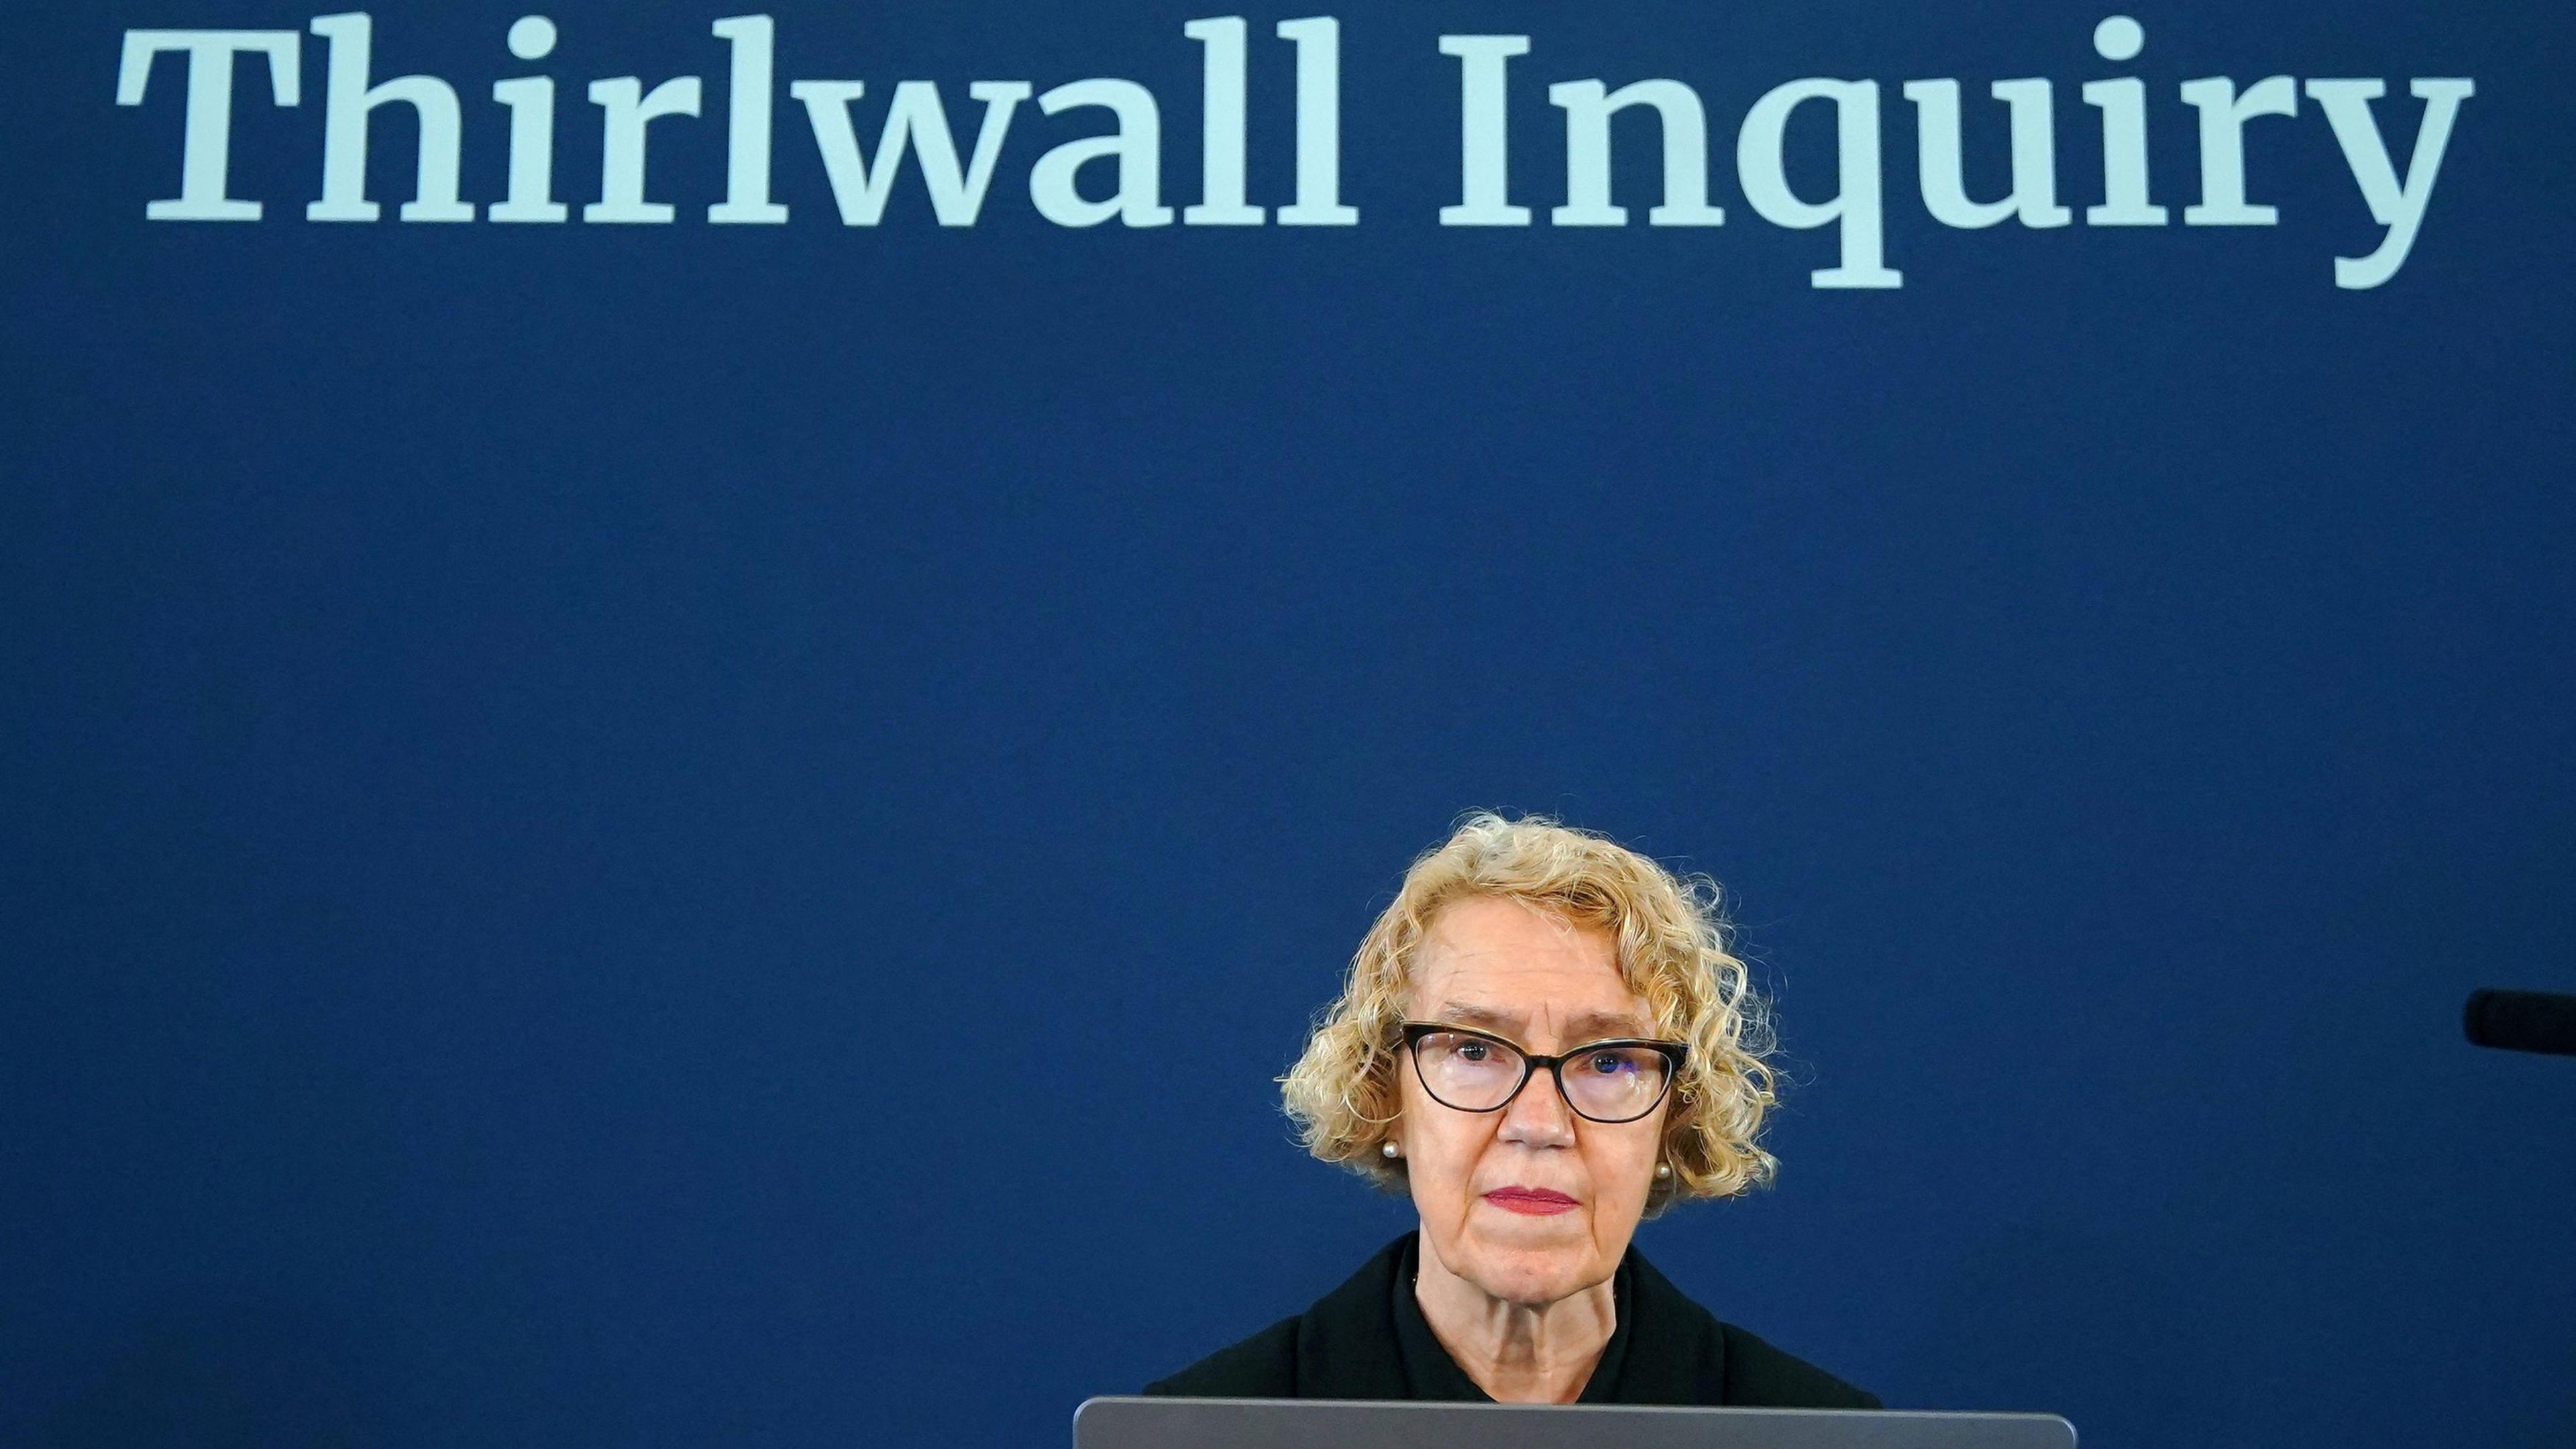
(1672, 951)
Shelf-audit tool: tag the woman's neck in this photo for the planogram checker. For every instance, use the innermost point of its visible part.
(1517, 1353)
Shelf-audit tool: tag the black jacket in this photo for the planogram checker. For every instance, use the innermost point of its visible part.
(1360, 1342)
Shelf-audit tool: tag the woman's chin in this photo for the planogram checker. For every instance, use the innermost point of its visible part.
(1530, 1264)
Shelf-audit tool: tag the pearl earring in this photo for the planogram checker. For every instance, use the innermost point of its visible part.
(1663, 1172)
(1389, 1151)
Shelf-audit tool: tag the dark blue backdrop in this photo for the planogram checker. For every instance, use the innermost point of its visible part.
(686, 835)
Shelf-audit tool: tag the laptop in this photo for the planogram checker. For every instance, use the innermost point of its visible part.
(1134, 1423)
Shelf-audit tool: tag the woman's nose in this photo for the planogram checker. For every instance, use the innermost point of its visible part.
(1539, 1116)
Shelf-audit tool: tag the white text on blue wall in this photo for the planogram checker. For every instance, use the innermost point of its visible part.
(915, 126)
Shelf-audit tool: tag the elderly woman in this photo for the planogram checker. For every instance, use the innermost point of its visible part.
(1541, 1041)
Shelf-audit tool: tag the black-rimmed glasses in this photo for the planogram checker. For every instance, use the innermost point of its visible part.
(1606, 1081)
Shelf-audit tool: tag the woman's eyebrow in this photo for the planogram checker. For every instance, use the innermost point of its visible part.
(1590, 1026)
(1596, 1025)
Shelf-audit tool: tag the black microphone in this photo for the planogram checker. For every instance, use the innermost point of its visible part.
(2523, 1021)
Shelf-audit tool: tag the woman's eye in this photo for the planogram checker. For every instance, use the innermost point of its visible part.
(1473, 1051)
(1611, 1063)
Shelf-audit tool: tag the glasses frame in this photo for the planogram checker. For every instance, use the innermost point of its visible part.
(1674, 1054)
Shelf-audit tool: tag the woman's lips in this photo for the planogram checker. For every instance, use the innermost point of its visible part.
(1535, 1201)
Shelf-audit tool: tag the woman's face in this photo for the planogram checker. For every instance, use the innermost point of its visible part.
(1488, 1184)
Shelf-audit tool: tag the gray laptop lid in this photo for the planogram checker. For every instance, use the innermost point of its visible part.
(1130, 1423)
